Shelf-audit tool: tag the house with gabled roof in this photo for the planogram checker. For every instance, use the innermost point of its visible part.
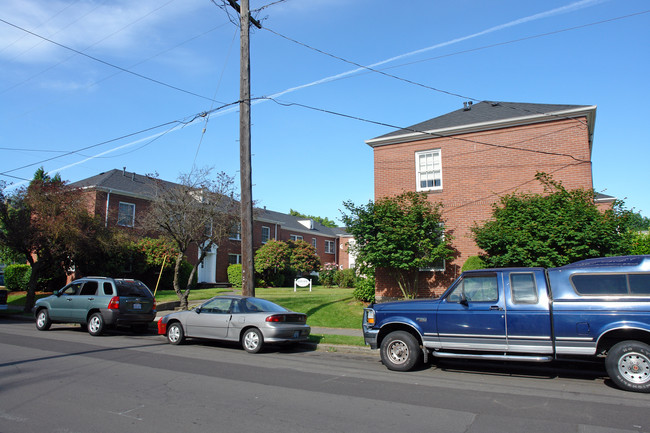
(120, 198)
(467, 159)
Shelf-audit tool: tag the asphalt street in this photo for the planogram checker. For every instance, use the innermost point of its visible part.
(65, 380)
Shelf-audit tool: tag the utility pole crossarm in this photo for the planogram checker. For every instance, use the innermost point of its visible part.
(236, 7)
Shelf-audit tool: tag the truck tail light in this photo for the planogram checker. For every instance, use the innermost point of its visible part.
(114, 303)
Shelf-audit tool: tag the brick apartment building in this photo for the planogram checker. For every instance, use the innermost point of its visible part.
(470, 157)
(120, 198)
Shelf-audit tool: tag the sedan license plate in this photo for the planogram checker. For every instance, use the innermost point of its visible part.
(137, 306)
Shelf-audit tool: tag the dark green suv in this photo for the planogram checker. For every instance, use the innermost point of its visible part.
(98, 302)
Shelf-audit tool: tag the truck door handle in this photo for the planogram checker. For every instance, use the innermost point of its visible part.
(496, 307)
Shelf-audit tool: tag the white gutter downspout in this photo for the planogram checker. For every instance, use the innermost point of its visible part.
(108, 198)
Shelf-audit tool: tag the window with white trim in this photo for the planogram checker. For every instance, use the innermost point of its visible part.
(313, 242)
(234, 259)
(126, 214)
(295, 237)
(329, 247)
(235, 234)
(266, 234)
(428, 169)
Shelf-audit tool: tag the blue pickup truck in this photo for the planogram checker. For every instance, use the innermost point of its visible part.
(595, 308)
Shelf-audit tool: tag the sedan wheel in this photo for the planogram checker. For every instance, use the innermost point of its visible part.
(252, 340)
(175, 334)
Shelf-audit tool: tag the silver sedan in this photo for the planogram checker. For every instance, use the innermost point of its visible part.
(251, 321)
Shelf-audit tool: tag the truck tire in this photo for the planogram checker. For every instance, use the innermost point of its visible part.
(400, 351)
(628, 365)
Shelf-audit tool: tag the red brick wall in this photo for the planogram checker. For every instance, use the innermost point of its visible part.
(475, 175)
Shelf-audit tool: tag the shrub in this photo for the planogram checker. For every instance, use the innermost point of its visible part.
(364, 290)
(346, 278)
(328, 274)
(17, 277)
(473, 262)
(234, 275)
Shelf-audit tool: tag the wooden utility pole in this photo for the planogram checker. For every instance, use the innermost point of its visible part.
(245, 172)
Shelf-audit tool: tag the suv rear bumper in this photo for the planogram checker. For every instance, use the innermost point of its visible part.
(116, 317)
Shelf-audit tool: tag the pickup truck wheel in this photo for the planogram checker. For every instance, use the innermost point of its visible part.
(628, 365)
(400, 351)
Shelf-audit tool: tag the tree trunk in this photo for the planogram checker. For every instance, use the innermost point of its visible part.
(182, 296)
(30, 298)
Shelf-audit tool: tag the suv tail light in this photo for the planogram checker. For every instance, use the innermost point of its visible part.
(114, 303)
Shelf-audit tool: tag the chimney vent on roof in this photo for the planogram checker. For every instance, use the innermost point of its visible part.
(123, 171)
(467, 106)
(133, 176)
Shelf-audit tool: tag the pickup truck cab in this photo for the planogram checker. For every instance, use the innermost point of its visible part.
(595, 307)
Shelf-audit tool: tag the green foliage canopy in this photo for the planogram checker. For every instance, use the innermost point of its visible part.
(401, 234)
(552, 229)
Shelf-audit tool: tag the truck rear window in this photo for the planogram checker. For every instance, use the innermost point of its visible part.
(611, 284)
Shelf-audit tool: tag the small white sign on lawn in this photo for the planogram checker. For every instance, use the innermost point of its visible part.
(301, 282)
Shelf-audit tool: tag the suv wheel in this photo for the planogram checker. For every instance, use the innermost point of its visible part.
(96, 324)
(43, 321)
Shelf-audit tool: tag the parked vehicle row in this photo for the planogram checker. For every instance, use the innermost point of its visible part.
(99, 303)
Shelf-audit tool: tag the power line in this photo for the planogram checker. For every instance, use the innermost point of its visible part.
(432, 134)
(107, 63)
(382, 71)
(72, 152)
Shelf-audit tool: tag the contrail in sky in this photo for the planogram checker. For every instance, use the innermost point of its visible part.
(557, 11)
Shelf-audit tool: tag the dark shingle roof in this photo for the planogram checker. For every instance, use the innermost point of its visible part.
(133, 184)
(485, 115)
(121, 181)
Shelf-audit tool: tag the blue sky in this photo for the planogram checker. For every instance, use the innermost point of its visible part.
(149, 67)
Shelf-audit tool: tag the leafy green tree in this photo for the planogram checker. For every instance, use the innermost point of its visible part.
(552, 229)
(638, 222)
(303, 258)
(640, 243)
(401, 234)
(48, 225)
(323, 220)
(272, 260)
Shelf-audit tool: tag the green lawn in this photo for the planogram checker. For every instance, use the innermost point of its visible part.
(327, 307)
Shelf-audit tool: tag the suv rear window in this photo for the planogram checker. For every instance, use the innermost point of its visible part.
(132, 289)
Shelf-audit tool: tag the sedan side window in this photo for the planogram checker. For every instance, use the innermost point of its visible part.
(218, 306)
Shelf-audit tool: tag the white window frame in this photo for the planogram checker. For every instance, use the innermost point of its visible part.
(430, 171)
(314, 242)
(235, 236)
(266, 234)
(121, 216)
(329, 247)
(296, 238)
(237, 259)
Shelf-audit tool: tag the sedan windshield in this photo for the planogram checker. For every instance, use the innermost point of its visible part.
(257, 305)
